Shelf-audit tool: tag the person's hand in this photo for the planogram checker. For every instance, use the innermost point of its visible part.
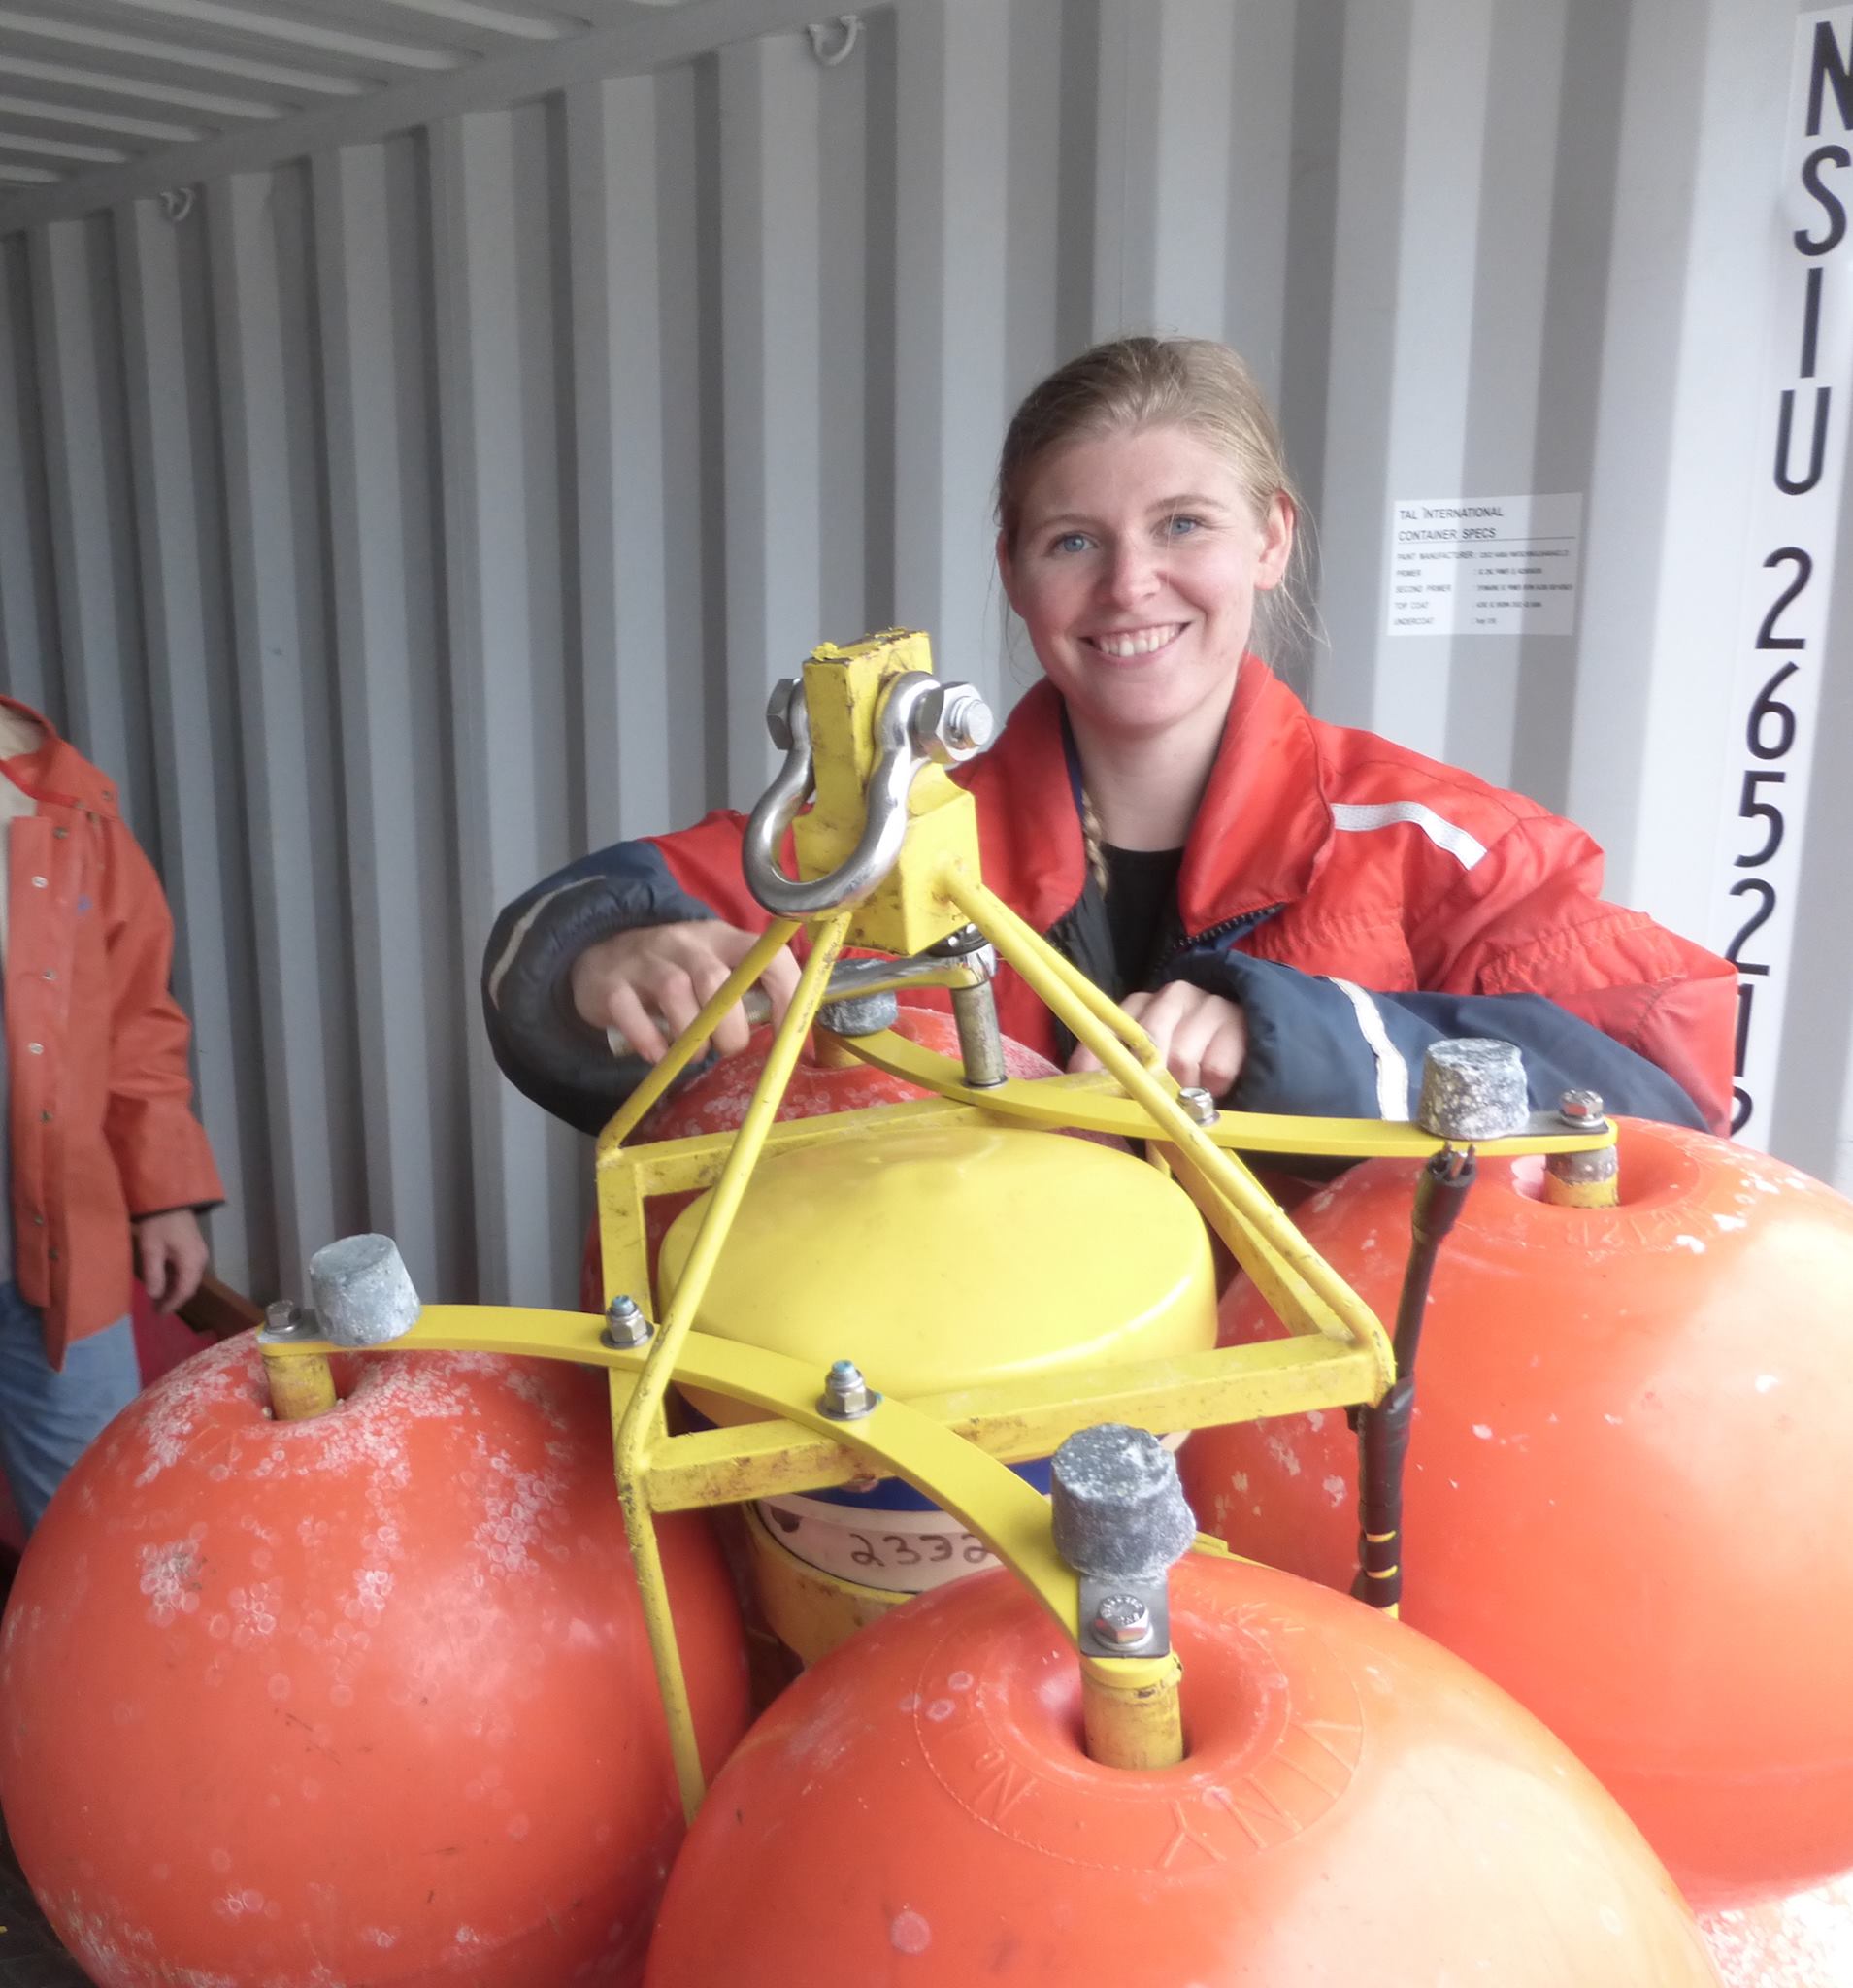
(1201, 1038)
(636, 981)
(170, 1253)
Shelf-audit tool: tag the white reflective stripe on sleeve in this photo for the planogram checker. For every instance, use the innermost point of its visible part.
(522, 926)
(1356, 815)
(1392, 1071)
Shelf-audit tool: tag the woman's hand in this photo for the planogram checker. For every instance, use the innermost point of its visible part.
(638, 982)
(1201, 1038)
(170, 1253)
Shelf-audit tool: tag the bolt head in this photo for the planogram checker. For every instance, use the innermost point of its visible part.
(778, 711)
(1198, 1105)
(624, 1322)
(1580, 1107)
(951, 722)
(846, 1395)
(1122, 1620)
(967, 724)
(285, 1319)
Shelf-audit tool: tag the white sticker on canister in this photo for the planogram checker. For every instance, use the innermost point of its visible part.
(906, 1552)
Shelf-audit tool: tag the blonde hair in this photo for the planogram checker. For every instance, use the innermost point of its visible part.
(1156, 383)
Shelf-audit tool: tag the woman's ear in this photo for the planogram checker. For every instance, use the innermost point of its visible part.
(1276, 542)
(1005, 571)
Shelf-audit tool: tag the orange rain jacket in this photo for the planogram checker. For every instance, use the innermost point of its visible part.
(101, 1125)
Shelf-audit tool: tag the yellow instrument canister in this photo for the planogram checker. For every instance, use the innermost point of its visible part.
(950, 1256)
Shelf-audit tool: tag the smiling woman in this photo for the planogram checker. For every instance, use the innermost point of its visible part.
(1134, 562)
(1293, 910)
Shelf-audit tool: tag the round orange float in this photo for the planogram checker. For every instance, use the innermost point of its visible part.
(1626, 1497)
(1800, 1939)
(1356, 1805)
(362, 1699)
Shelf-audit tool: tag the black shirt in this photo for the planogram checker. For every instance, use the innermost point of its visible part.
(1141, 904)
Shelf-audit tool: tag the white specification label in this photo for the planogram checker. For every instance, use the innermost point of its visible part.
(1484, 564)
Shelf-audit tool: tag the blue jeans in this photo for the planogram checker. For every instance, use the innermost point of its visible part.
(45, 1418)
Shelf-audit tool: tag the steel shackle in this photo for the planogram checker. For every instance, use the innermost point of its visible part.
(922, 722)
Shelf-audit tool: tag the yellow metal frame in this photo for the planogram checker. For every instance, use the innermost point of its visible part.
(957, 1448)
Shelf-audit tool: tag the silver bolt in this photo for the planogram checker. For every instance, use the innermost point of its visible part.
(847, 1396)
(285, 1319)
(1123, 1620)
(625, 1325)
(966, 724)
(778, 713)
(1198, 1105)
(951, 722)
(956, 945)
(1580, 1109)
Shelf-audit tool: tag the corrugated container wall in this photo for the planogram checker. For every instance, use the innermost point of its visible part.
(409, 516)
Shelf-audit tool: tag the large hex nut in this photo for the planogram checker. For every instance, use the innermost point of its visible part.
(953, 723)
(362, 1292)
(1472, 1089)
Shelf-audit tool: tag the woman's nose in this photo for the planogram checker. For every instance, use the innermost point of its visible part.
(1132, 574)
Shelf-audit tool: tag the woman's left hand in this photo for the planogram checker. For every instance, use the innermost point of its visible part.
(171, 1255)
(1203, 1038)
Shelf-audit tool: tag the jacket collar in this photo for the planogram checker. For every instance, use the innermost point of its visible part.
(1029, 814)
(56, 773)
(1258, 840)
(1264, 824)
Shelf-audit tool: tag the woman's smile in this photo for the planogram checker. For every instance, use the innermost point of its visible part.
(1129, 645)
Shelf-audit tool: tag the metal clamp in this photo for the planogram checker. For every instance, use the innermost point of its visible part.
(863, 980)
(922, 721)
(1120, 1521)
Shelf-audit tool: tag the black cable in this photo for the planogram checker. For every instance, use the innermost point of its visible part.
(1383, 1431)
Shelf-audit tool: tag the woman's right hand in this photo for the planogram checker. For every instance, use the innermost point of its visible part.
(639, 980)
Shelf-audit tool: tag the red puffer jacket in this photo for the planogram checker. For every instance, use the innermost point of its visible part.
(101, 1127)
(1358, 900)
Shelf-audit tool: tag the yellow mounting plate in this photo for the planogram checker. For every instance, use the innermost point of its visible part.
(904, 914)
(943, 1255)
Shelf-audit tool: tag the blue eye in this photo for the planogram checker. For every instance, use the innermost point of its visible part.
(1183, 523)
(1070, 542)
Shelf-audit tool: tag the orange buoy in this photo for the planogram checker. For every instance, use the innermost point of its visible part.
(1355, 1805)
(1625, 1487)
(362, 1699)
(1802, 1940)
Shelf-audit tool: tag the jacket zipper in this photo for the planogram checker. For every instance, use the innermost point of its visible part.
(1247, 922)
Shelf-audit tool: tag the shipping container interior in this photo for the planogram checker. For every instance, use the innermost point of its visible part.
(427, 430)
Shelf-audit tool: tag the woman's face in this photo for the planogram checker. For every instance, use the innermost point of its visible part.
(1136, 565)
